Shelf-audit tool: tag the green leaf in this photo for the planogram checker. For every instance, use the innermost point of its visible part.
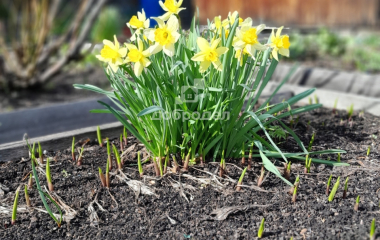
(272, 168)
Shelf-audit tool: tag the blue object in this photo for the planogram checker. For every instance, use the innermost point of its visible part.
(152, 9)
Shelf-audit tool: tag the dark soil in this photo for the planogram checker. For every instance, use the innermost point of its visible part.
(168, 215)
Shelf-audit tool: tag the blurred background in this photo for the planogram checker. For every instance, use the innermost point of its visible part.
(48, 45)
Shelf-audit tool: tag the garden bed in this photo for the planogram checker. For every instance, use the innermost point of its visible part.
(181, 206)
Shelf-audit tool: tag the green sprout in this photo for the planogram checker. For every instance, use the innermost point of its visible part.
(316, 99)
(222, 167)
(350, 112)
(156, 168)
(287, 170)
(121, 143)
(338, 160)
(310, 101)
(187, 159)
(335, 105)
(267, 106)
(166, 163)
(125, 137)
(261, 178)
(356, 206)
(328, 185)
(333, 191)
(261, 229)
(48, 176)
(27, 200)
(345, 188)
(73, 150)
(373, 229)
(117, 156)
(311, 142)
(109, 154)
(141, 171)
(80, 158)
(368, 150)
(40, 153)
(30, 182)
(250, 158)
(15, 203)
(243, 155)
(238, 187)
(294, 198)
(102, 178)
(108, 174)
(307, 164)
(33, 155)
(176, 166)
(99, 135)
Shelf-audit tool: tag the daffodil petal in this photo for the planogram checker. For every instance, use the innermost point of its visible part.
(274, 54)
(138, 68)
(215, 43)
(260, 28)
(172, 23)
(166, 16)
(259, 46)
(146, 23)
(114, 67)
(221, 50)
(279, 30)
(155, 48)
(169, 49)
(123, 52)
(130, 46)
(284, 52)
(204, 65)
(145, 62)
(199, 57)
(218, 65)
(159, 21)
(108, 43)
(117, 45)
(203, 44)
(163, 6)
(180, 9)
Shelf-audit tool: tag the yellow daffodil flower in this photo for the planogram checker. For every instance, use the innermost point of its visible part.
(138, 56)
(170, 7)
(112, 54)
(164, 36)
(232, 17)
(246, 39)
(139, 23)
(218, 25)
(279, 44)
(209, 54)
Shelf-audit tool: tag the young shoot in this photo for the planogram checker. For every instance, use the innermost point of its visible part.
(40, 153)
(187, 159)
(335, 105)
(350, 112)
(356, 206)
(27, 200)
(30, 182)
(102, 178)
(109, 154)
(125, 137)
(287, 170)
(338, 160)
(328, 186)
(250, 158)
(345, 188)
(261, 229)
(243, 155)
(311, 142)
(373, 229)
(316, 99)
(121, 143)
(238, 187)
(73, 150)
(310, 101)
(166, 163)
(333, 191)
(222, 167)
(294, 198)
(48, 176)
(117, 156)
(99, 135)
(261, 178)
(176, 166)
(141, 171)
(307, 164)
(368, 150)
(15, 203)
(108, 174)
(80, 158)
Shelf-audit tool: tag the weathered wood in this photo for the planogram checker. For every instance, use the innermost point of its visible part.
(16, 150)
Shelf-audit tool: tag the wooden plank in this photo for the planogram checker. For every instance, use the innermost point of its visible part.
(53, 142)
